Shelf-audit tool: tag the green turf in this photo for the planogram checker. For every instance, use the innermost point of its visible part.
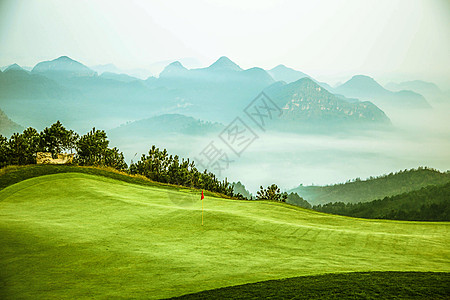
(76, 235)
(14, 174)
(373, 285)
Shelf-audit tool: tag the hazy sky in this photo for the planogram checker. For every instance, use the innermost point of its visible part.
(329, 40)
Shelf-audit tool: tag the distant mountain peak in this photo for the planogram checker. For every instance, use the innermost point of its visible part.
(174, 69)
(280, 67)
(364, 79)
(64, 57)
(224, 63)
(64, 64)
(364, 82)
(305, 81)
(286, 74)
(366, 88)
(177, 64)
(14, 67)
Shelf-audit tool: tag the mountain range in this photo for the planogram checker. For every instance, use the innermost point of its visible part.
(163, 125)
(428, 89)
(66, 89)
(288, 75)
(366, 88)
(305, 104)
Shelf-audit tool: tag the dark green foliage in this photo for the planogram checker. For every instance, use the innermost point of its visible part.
(272, 192)
(358, 285)
(57, 138)
(373, 188)
(294, 198)
(92, 150)
(159, 166)
(430, 203)
(21, 148)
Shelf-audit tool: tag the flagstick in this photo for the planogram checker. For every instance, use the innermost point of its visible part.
(202, 210)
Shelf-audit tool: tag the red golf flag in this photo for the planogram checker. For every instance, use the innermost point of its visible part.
(203, 197)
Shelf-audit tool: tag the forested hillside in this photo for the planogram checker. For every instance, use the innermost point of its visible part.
(373, 188)
(427, 204)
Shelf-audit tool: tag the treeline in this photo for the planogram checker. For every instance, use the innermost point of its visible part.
(430, 203)
(160, 166)
(90, 149)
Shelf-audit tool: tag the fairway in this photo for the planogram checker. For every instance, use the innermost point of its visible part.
(75, 235)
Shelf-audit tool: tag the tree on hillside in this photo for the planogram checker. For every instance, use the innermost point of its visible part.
(4, 151)
(272, 192)
(92, 150)
(57, 138)
(158, 165)
(22, 147)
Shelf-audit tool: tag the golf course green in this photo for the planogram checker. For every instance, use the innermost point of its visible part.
(74, 235)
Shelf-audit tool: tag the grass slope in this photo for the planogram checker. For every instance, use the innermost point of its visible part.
(14, 174)
(374, 285)
(75, 235)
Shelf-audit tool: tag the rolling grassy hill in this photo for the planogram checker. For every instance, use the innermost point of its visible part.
(77, 235)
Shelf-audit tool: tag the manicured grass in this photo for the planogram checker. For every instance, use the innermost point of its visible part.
(373, 285)
(75, 235)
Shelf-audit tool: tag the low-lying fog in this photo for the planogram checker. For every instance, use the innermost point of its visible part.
(420, 138)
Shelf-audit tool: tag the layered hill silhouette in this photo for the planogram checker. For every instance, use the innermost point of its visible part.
(366, 88)
(430, 90)
(306, 103)
(431, 203)
(17, 83)
(218, 92)
(63, 66)
(373, 188)
(286, 74)
(7, 126)
(163, 125)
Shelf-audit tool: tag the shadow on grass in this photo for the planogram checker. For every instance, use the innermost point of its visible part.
(359, 285)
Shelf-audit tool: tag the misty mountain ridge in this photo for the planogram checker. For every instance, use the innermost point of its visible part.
(14, 67)
(118, 77)
(63, 66)
(288, 75)
(7, 126)
(175, 69)
(17, 83)
(222, 70)
(163, 126)
(218, 91)
(304, 101)
(428, 89)
(366, 88)
(224, 64)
